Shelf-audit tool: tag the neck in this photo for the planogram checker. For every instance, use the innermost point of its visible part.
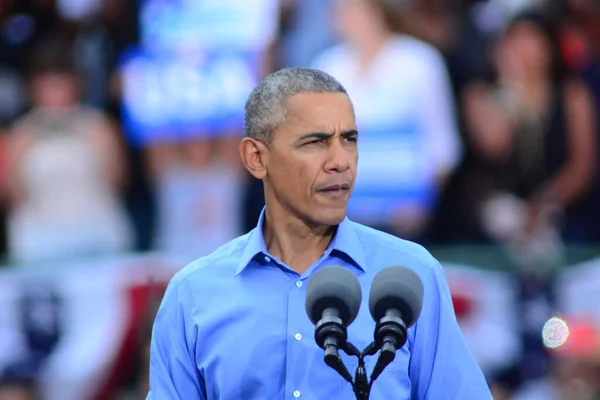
(56, 109)
(370, 47)
(293, 240)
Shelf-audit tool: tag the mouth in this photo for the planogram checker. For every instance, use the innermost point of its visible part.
(335, 190)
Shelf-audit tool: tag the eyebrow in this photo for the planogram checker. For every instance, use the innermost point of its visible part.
(326, 135)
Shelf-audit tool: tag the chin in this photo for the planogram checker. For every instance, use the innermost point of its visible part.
(331, 216)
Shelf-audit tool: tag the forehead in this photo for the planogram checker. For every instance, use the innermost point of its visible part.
(527, 28)
(325, 110)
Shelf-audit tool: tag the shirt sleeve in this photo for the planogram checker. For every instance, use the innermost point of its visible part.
(173, 374)
(442, 366)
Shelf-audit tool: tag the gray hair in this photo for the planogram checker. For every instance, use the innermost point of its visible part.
(265, 107)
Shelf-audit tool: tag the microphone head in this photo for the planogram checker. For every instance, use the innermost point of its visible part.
(396, 287)
(333, 287)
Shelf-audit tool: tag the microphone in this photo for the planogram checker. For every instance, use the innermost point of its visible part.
(333, 298)
(395, 303)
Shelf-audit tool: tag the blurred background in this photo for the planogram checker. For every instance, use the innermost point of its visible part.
(119, 125)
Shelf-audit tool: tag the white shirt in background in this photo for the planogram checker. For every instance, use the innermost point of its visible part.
(406, 120)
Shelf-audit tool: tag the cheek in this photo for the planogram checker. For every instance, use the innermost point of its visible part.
(534, 52)
(287, 180)
(354, 158)
(298, 180)
(530, 49)
(542, 55)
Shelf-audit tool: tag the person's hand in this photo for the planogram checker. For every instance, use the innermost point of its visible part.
(542, 208)
(534, 216)
(488, 124)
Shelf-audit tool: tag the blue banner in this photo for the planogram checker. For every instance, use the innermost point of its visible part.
(178, 96)
(247, 25)
(394, 171)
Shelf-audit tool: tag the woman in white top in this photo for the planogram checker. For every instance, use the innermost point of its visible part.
(408, 139)
(66, 169)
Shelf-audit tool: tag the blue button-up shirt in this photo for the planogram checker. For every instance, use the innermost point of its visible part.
(233, 326)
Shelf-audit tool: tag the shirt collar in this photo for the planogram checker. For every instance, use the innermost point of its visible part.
(345, 241)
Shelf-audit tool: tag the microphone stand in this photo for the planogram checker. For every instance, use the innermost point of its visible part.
(390, 335)
(361, 384)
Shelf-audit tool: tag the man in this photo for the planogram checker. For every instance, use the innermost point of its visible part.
(232, 325)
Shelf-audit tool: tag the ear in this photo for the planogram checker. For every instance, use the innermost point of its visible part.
(253, 154)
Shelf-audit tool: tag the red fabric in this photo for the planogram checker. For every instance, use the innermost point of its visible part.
(462, 306)
(140, 298)
(582, 342)
(574, 49)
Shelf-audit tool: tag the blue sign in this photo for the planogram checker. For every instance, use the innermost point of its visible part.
(394, 171)
(180, 96)
(247, 25)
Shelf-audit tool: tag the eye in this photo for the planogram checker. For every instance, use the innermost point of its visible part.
(353, 139)
(313, 142)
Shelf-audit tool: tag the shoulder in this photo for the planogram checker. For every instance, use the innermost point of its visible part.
(386, 248)
(220, 264)
(418, 55)
(26, 122)
(417, 48)
(577, 101)
(573, 88)
(92, 116)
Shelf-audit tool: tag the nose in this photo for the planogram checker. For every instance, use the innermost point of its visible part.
(338, 158)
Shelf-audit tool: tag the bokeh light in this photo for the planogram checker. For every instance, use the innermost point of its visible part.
(555, 332)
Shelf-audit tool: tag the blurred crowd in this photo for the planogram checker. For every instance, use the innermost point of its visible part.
(478, 119)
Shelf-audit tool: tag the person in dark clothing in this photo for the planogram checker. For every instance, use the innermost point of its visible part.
(535, 129)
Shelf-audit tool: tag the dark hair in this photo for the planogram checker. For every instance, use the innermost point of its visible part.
(52, 55)
(548, 26)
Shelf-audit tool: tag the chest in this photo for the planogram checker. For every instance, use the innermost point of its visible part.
(385, 103)
(393, 145)
(261, 345)
(389, 90)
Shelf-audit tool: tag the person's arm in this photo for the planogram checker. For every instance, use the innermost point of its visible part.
(105, 134)
(488, 126)
(17, 143)
(173, 372)
(574, 178)
(441, 365)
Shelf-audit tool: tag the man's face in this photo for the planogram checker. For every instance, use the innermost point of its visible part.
(311, 166)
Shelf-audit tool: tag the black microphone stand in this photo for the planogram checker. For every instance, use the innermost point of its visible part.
(361, 384)
(331, 336)
(390, 335)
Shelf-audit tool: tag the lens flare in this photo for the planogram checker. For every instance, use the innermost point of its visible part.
(555, 333)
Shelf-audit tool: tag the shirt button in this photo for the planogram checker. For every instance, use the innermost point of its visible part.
(298, 336)
(296, 393)
(299, 284)
(267, 259)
